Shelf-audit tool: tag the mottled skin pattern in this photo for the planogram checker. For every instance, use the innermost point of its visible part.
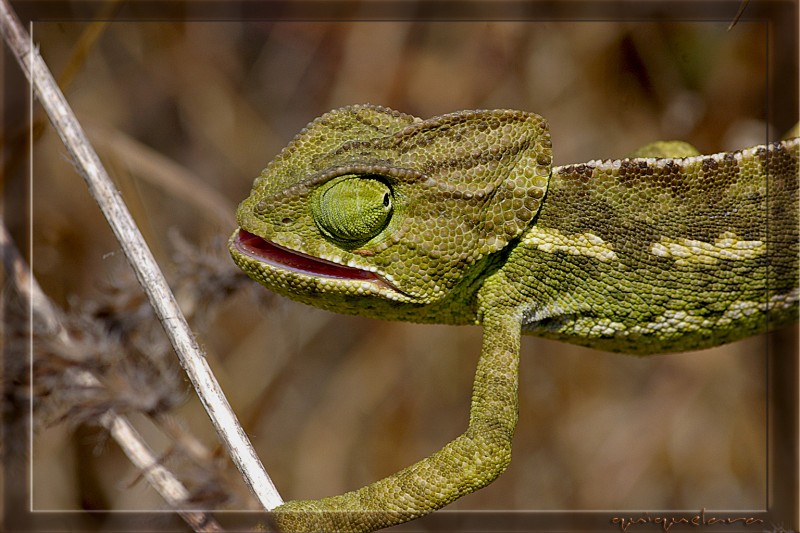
(696, 251)
(461, 219)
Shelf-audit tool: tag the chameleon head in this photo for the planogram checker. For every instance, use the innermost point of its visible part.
(366, 201)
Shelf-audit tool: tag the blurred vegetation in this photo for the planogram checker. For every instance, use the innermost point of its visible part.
(185, 114)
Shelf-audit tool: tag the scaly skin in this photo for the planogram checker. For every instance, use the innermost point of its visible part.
(461, 219)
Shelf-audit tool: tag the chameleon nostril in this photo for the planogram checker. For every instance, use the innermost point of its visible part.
(286, 221)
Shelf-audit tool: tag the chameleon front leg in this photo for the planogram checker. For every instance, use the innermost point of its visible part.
(471, 461)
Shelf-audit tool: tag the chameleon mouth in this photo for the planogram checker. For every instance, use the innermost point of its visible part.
(285, 259)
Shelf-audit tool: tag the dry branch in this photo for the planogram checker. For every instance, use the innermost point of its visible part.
(139, 257)
(128, 439)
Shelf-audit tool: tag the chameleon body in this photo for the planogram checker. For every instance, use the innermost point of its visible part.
(461, 219)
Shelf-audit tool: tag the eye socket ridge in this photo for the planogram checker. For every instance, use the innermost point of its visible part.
(353, 208)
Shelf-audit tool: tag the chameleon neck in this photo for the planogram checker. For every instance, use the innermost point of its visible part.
(660, 255)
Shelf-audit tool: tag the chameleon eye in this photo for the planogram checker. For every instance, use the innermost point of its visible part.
(352, 209)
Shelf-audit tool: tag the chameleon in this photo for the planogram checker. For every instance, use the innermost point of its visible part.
(463, 219)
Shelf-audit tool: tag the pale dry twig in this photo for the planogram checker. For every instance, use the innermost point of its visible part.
(139, 257)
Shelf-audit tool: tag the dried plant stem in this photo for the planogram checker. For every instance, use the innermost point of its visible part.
(139, 257)
(162, 172)
(159, 477)
(48, 318)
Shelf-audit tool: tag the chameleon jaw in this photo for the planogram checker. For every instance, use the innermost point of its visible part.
(285, 259)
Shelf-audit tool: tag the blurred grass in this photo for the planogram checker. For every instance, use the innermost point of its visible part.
(335, 402)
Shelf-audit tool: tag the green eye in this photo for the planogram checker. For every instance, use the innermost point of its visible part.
(352, 209)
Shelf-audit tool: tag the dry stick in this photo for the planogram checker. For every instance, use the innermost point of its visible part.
(161, 171)
(48, 317)
(139, 257)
